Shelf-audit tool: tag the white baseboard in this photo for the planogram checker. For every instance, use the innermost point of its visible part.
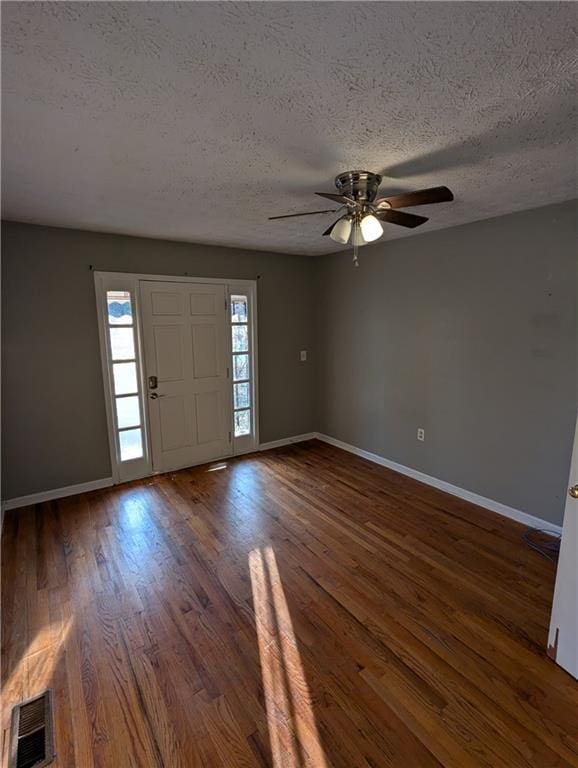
(474, 498)
(57, 493)
(287, 441)
(106, 482)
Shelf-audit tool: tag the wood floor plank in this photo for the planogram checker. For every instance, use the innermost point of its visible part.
(297, 608)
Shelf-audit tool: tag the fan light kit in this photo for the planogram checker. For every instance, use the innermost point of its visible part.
(361, 223)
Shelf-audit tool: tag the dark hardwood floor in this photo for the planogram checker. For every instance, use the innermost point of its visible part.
(299, 607)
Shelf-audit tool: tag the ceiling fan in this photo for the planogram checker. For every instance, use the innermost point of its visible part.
(361, 223)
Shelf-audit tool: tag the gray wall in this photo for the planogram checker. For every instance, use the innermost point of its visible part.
(469, 332)
(54, 424)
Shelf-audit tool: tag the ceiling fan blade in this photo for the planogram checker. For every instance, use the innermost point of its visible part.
(399, 217)
(421, 197)
(308, 213)
(338, 198)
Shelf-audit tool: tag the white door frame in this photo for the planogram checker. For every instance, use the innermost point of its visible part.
(130, 281)
(563, 634)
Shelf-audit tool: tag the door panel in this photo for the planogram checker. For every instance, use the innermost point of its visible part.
(209, 416)
(173, 423)
(169, 352)
(185, 329)
(203, 304)
(166, 303)
(205, 351)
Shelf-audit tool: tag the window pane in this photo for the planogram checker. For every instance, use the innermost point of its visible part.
(130, 444)
(122, 343)
(240, 367)
(239, 309)
(242, 395)
(124, 378)
(240, 338)
(119, 307)
(242, 423)
(127, 412)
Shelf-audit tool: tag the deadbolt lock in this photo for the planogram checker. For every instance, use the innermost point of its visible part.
(574, 491)
(153, 382)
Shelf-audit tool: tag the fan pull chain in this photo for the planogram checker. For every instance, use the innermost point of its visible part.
(355, 234)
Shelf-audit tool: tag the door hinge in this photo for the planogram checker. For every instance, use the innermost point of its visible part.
(227, 371)
(229, 437)
(226, 305)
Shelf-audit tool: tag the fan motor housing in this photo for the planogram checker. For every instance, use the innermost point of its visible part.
(359, 185)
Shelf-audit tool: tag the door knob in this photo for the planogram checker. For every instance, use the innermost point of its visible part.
(155, 395)
(574, 491)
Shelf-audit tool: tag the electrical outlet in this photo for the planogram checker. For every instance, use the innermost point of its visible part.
(421, 434)
(303, 355)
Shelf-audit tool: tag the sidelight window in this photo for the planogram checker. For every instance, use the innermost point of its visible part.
(241, 364)
(123, 360)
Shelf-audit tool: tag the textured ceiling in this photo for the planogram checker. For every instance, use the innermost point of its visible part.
(196, 121)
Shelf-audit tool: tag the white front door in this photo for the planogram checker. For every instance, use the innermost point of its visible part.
(563, 639)
(186, 345)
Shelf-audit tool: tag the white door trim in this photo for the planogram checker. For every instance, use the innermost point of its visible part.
(563, 633)
(177, 278)
(103, 280)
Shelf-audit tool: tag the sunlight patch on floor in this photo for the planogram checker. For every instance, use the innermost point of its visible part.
(293, 733)
(133, 513)
(36, 666)
(217, 467)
